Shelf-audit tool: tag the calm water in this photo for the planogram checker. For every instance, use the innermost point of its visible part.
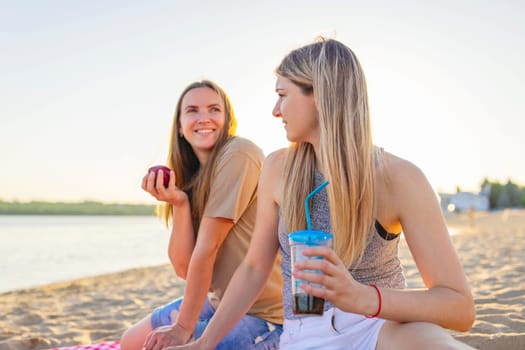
(37, 250)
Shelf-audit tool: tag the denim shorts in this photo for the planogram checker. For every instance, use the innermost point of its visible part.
(250, 333)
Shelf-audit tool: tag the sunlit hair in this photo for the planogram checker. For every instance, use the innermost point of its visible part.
(331, 71)
(190, 176)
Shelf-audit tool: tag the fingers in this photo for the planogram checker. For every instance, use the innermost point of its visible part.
(150, 341)
(154, 184)
(155, 341)
(322, 251)
(326, 286)
(148, 183)
(159, 183)
(308, 275)
(324, 271)
(164, 336)
(320, 292)
(321, 265)
(172, 180)
(321, 258)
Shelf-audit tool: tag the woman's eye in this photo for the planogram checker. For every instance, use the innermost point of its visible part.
(216, 110)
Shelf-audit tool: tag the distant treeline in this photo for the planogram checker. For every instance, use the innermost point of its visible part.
(508, 195)
(74, 208)
(501, 195)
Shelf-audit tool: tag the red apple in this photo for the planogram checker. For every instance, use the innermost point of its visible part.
(165, 173)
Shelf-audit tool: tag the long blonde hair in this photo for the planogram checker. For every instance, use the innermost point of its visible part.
(190, 176)
(331, 71)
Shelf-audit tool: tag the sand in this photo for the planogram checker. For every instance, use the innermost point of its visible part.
(97, 309)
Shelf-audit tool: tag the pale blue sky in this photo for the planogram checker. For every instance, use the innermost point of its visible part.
(88, 88)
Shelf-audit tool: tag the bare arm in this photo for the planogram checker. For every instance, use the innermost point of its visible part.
(448, 300)
(408, 201)
(212, 233)
(251, 276)
(182, 239)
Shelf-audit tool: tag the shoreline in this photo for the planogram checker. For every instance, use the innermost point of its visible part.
(99, 308)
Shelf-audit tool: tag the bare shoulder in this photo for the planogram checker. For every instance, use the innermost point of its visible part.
(275, 160)
(396, 173)
(271, 179)
(403, 191)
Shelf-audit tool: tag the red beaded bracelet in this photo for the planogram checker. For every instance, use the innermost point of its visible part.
(380, 302)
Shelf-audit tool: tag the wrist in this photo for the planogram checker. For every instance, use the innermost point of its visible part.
(180, 204)
(376, 304)
(183, 332)
(205, 343)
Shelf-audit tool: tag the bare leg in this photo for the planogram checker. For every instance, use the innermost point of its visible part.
(417, 335)
(134, 337)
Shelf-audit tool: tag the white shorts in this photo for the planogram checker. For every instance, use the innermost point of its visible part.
(316, 332)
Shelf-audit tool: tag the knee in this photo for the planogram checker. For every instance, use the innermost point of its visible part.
(129, 340)
(134, 337)
(125, 340)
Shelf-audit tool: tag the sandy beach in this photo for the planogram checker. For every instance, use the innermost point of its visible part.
(92, 310)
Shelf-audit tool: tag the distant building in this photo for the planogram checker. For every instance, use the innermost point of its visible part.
(464, 201)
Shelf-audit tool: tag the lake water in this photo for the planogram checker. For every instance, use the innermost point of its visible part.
(37, 250)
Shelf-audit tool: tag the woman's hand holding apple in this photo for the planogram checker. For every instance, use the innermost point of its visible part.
(160, 183)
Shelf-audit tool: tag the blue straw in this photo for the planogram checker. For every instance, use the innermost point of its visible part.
(306, 207)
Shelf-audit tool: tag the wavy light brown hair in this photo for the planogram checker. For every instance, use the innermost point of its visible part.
(190, 176)
(331, 71)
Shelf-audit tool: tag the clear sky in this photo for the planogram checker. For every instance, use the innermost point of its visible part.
(88, 88)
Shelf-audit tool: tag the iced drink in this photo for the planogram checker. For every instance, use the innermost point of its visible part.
(304, 303)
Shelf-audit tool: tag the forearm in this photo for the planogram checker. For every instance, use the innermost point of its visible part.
(182, 240)
(440, 305)
(242, 291)
(197, 286)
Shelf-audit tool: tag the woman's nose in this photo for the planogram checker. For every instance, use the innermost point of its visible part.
(203, 117)
(276, 110)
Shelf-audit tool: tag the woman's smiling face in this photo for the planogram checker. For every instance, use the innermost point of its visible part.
(202, 120)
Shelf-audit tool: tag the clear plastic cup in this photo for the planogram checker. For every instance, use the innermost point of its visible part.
(302, 302)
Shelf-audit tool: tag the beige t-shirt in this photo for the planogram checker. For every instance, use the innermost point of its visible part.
(233, 195)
